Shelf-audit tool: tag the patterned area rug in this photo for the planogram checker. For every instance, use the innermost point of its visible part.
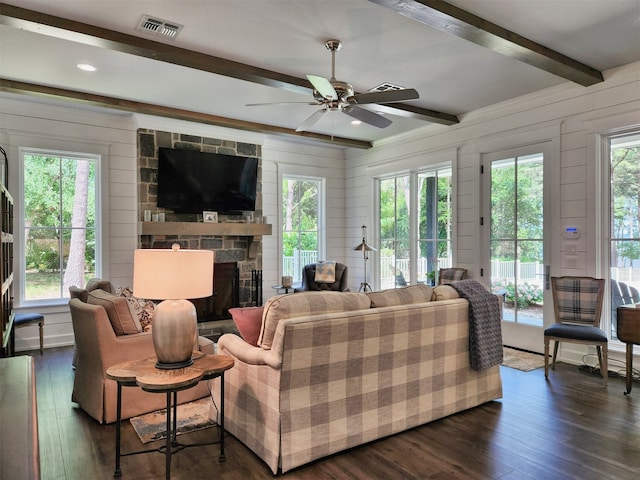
(191, 417)
(521, 360)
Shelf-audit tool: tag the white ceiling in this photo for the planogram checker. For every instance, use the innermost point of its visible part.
(452, 75)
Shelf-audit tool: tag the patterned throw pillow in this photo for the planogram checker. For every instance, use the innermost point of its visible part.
(325, 272)
(141, 309)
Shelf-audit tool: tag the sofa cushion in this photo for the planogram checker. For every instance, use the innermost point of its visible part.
(444, 292)
(248, 321)
(304, 304)
(141, 309)
(117, 310)
(401, 296)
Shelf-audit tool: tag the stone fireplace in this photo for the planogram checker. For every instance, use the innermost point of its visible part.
(243, 251)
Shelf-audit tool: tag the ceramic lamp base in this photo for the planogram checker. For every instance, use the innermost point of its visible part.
(174, 333)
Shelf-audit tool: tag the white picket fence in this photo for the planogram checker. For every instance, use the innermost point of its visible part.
(505, 271)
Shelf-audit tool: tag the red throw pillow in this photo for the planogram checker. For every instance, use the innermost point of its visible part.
(248, 321)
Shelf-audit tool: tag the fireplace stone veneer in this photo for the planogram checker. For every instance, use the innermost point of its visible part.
(242, 250)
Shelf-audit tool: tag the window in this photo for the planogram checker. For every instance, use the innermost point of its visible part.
(59, 224)
(414, 246)
(301, 207)
(624, 259)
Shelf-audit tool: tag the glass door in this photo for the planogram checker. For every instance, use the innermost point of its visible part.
(516, 242)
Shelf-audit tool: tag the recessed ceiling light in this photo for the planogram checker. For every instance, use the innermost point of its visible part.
(355, 122)
(86, 67)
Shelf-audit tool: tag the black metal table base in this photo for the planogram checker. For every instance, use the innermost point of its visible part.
(171, 445)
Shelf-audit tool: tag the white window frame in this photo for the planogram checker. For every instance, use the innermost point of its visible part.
(413, 220)
(601, 144)
(70, 150)
(321, 221)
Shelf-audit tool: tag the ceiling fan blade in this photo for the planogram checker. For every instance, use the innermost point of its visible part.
(323, 86)
(312, 120)
(385, 97)
(367, 116)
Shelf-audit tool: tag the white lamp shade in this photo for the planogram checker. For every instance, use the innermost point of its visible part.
(161, 274)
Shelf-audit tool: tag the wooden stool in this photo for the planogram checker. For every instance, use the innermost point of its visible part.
(24, 319)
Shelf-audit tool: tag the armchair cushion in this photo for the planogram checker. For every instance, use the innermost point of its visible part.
(400, 296)
(117, 310)
(248, 321)
(99, 283)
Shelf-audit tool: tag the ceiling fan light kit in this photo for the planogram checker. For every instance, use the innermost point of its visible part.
(336, 95)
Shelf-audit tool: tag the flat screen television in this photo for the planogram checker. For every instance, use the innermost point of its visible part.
(190, 181)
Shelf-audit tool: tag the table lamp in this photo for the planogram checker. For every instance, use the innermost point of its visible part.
(365, 248)
(173, 275)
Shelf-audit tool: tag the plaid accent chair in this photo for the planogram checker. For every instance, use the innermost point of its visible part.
(577, 303)
(448, 275)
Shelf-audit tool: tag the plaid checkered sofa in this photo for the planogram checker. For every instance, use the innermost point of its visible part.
(336, 370)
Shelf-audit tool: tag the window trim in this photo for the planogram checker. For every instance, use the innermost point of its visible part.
(413, 221)
(96, 153)
(322, 224)
(600, 145)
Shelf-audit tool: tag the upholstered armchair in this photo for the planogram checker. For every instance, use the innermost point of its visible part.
(98, 347)
(309, 283)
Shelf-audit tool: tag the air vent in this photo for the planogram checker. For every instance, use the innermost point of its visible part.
(159, 27)
(385, 87)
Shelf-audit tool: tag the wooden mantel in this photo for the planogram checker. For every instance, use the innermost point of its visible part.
(201, 228)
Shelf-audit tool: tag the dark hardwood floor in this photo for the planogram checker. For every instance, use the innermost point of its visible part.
(569, 428)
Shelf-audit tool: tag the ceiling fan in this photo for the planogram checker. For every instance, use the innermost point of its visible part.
(335, 95)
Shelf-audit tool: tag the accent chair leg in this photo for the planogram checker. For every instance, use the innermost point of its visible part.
(41, 327)
(604, 366)
(546, 358)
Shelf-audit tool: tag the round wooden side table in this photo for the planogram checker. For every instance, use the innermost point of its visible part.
(144, 374)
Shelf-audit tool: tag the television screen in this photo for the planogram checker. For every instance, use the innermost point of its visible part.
(190, 181)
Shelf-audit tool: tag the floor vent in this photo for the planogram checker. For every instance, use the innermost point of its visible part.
(157, 26)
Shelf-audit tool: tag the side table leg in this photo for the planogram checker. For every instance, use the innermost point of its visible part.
(168, 447)
(175, 417)
(222, 457)
(629, 367)
(118, 472)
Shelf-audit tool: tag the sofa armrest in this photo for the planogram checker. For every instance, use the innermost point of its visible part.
(236, 347)
(206, 345)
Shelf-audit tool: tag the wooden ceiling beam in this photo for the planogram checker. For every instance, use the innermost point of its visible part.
(100, 37)
(455, 21)
(13, 86)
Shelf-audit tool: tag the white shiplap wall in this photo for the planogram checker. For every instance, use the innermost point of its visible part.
(574, 113)
(568, 116)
